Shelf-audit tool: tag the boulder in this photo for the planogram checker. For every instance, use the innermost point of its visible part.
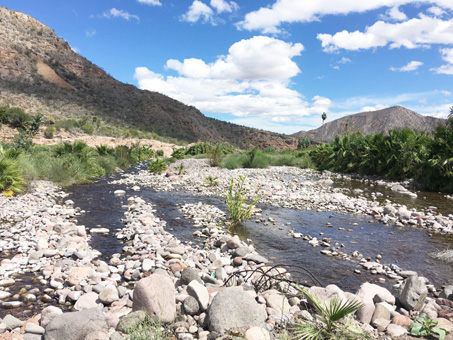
(191, 306)
(233, 308)
(277, 301)
(395, 331)
(199, 292)
(447, 292)
(413, 293)
(88, 301)
(188, 274)
(156, 295)
(48, 314)
(366, 294)
(75, 326)
(257, 333)
(109, 294)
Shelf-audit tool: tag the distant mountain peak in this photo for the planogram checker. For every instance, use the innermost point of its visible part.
(395, 117)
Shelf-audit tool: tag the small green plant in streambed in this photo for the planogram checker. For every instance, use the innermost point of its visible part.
(236, 201)
(211, 181)
(181, 169)
(147, 329)
(426, 327)
(158, 166)
(331, 320)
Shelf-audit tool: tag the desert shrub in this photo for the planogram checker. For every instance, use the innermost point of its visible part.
(234, 161)
(157, 166)
(3, 115)
(87, 128)
(178, 153)
(236, 201)
(11, 179)
(17, 117)
(49, 132)
(303, 143)
(160, 153)
(66, 124)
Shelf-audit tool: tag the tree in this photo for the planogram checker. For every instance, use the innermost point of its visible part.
(324, 117)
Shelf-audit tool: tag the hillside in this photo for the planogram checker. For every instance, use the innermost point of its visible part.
(41, 73)
(395, 117)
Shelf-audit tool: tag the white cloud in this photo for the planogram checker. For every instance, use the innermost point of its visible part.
(151, 2)
(198, 10)
(413, 33)
(119, 13)
(372, 108)
(252, 80)
(411, 66)
(268, 19)
(90, 32)
(395, 14)
(75, 49)
(447, 55)
(437, 11)
(344, 60)
(224, 6)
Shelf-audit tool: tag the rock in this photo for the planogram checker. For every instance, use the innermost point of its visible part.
(256, 258)
(277, 301)
(232, 308)
(109, 295)
(380, 324)
(199, 292)
(234, 242)
(76, 325)
(147, 265)
(445, 324)
(402, 320)
(413, 293)
(395, 330)
(77, 274)
(88, 301)
(131, 320)
(48, 314)
(447, 293)
(30, 327)
(380, 312)
(156, 295)
(366, 294)
(42, 244)
(98, 335)
(191, 306)
(324, 295)
(241, 251)
(257, 333)
(12, 322)
(188, 274)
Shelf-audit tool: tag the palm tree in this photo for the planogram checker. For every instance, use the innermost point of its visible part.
(324, 117)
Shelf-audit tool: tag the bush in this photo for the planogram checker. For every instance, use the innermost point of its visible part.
(87, 128)
(160, 153)
(178, 153)
(236, 201)
(49, 132)
(17, 117)
(158, 166)
(11, 180)
(3, 115)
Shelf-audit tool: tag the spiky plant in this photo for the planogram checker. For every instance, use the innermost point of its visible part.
(236, 201)
(11, 180)
(332, 320)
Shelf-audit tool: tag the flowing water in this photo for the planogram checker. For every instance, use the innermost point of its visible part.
(407, 247)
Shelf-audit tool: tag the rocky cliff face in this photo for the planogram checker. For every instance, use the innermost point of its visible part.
(395, 117)
(41, 73)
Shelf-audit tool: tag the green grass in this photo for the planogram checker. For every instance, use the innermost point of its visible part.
(148, 329)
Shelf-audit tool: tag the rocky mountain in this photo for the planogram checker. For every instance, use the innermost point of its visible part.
(41, 73)
(395, 117)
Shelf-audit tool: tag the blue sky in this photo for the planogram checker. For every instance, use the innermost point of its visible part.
(271, 64)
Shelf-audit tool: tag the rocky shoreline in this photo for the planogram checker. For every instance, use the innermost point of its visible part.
(203, 289)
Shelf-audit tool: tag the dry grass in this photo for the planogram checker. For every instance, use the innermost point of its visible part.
(445, 255)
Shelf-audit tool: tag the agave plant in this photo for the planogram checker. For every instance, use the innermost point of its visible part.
(332, 320)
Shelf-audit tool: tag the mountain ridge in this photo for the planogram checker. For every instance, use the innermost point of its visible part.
(395, 117)
(41, 73)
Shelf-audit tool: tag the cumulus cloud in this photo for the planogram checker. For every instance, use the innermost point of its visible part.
(151, 2)
(268, 19)
(252, 80)
(447, 55)
(119, 13)
(411, 66)
(413, 33)
(198, 11)
(395, 14)
(344, 60)
(224, 6)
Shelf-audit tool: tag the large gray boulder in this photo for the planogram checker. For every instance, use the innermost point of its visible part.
(75, 326)
(413, 293)
(156, 295)
(233, 308)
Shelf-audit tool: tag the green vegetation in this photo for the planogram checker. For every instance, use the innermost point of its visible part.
(405, 153)
(211, 181)
(423, 327)
(50, 132)
(255, 158)
(148, 329)
(236, 201)
(157, 166)
(331, 320)
(11, 180)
